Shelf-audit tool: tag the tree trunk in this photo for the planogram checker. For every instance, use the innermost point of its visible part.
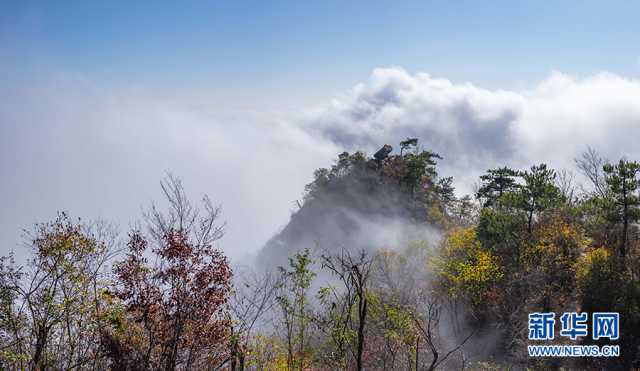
(362, 320)
(41, 343)
(432, 367)
(417, 352)
(625, 227)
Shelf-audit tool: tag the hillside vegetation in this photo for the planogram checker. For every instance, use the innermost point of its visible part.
(382, 267)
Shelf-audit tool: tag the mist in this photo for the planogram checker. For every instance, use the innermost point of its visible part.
(74, 143)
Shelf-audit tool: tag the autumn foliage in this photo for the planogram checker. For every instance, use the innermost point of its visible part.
(173, 312)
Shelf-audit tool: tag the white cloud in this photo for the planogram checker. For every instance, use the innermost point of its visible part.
(476, 128)
(100, 153)
(68, 143)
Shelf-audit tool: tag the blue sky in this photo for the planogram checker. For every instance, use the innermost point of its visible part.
(310, 49)
(243, 100)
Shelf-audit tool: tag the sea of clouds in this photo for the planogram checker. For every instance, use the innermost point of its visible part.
(69, 143)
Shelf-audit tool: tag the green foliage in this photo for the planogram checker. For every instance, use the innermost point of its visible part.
(596, 215)
(598, 279)
(502, 232)
(334, 320)
(495, 183)
(602, 286)
(395, 328)
(56, 303)
(349, 171)
(406, 183)
(293, 300)
(622, 183)
(407, 144)
(538, 192)
(419, 168)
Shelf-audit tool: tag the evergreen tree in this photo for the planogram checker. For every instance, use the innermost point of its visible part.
(539, 191)
(495, 183)
(623, 185)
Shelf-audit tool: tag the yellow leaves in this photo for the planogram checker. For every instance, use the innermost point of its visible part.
(597, 262)
(267, 353)
(557, 247)
(601, 284)
(106, 296)
(465, 267)
(598, 256)
(11, 357)
(482, 270)
(462, 239)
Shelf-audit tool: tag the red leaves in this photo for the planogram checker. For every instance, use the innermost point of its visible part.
(176, 247)
(137, 244)
(178, 303)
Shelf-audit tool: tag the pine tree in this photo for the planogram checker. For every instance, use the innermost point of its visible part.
(623, 184)
(495, 183)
